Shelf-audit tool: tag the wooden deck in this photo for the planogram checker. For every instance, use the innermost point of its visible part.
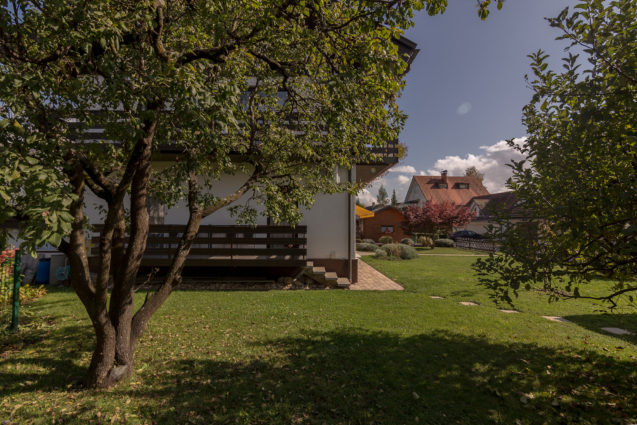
(226, 246)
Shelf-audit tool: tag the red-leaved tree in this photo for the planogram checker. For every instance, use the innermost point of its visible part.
(436, 217)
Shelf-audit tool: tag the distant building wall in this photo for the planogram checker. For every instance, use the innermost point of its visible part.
(385, 219)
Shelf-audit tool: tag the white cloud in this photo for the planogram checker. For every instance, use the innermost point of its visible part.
(399, 183)
(365, 197)
(403, 169)
(492, 163)
(464, 108)
(402, 179)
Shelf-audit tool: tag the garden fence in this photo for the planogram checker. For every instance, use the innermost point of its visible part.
(477, 244)
(10, 283)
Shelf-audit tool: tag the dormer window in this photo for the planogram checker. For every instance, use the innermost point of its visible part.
(462, 185)
(442, 186)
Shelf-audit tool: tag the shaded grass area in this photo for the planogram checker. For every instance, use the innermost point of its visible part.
(334, 357)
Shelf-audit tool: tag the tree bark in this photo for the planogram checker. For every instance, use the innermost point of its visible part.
(104, 353)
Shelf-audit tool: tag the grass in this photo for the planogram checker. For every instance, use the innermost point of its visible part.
(333, 357)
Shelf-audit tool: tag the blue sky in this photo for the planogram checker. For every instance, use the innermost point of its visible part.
(466, 88)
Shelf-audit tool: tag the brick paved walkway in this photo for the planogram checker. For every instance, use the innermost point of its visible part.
(370, 279)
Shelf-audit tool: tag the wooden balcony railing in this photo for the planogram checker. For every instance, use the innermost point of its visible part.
(226, 245)
(389, 153)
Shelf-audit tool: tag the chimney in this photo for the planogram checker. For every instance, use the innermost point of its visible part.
(443, 176)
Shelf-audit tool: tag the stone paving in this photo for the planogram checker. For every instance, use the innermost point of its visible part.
(370, 279)
(556, 319)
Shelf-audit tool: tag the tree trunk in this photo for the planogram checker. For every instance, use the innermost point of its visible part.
(100, 370)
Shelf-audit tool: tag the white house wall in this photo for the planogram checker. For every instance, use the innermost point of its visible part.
(414, 193)
(327, 220)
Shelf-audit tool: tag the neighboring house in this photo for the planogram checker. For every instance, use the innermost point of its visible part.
(387, 221)
(456, 189)
(486, 206)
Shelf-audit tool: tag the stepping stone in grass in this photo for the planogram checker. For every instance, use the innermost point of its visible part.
(436, 297)
(509, 311)
(556, 319)
(617, 331)
(467, 303)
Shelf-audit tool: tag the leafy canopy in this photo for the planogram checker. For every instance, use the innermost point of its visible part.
(265, 88)
(578, 185)
(473, 172)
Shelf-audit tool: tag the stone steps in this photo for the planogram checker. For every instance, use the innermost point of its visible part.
(321, 276)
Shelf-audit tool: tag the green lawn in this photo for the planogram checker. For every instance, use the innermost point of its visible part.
(334, 357)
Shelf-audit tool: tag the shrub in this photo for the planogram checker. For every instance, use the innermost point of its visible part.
(407, 241)
(366, 247)
(27, 293)
(380, 253)
(372, 241)
(408, 252)
(426, 242)
(399, 251)
(445, 243)
(385, 240)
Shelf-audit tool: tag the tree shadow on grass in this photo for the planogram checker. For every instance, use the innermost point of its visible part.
(361, 377)
(346, 376)
(595, 323)
(42, 356)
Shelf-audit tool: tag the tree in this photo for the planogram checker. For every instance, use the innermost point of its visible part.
(473, 172)
(282, 91)
(443, 216)
(578, 183)
(382, 198)
(394, 199)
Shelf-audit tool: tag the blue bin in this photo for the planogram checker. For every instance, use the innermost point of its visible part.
(42, 272)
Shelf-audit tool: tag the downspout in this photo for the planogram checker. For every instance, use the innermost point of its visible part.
(350, 213)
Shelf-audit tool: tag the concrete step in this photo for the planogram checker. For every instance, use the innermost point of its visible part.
(343, 282)
(318, 270)
(309, 264)
(331, 276)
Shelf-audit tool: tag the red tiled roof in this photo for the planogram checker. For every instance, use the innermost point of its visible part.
(452, 193)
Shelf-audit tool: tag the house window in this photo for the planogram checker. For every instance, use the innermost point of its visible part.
(463, 186)
(387, 229)
(442, 186)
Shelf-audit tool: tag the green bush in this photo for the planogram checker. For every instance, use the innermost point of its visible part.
(426, 242)
(366, 247)
(407, 241)
(399, 251)
(445, 243)
(380, 253)
(385, 240)
(372, 241)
